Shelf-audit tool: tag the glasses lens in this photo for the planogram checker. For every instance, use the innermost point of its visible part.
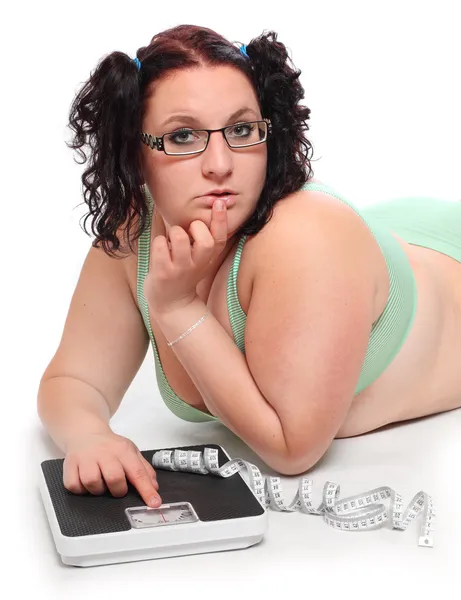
(187, 141)
(246, 134)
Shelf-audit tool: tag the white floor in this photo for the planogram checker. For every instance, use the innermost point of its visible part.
(421, 455)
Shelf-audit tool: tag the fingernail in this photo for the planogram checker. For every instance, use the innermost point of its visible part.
(219, 204)
(155, 501)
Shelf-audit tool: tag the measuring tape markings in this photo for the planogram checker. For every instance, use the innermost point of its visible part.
(355, 513)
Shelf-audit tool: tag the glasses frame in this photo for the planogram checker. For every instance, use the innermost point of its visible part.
(157, 143)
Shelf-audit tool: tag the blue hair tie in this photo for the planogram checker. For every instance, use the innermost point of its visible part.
(138, 63)
(243, 50)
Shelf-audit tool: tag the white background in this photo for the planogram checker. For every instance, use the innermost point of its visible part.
(383, 82)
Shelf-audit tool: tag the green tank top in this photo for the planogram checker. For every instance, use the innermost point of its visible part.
(387, 335)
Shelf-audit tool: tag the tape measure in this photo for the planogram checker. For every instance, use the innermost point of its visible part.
(355, 513)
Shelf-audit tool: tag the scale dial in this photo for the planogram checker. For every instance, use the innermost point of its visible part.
(176, 513)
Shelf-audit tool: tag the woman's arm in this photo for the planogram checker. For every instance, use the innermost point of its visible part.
(310, 317)
(306, 335)
(103, 344)
(220, 373)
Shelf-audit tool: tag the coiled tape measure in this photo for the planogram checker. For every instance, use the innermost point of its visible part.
(361, 512)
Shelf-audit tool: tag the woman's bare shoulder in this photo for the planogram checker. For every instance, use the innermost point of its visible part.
(308, 209)
(318, 217)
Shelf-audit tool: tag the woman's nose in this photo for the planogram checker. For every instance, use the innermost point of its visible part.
(217, 158)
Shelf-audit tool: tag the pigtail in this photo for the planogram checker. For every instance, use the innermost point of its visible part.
(105, 116)
(279, 91)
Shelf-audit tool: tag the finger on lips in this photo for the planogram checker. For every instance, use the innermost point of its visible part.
(218, 226)
(195, 234)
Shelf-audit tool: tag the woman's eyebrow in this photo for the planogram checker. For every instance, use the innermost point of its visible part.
(193, 120)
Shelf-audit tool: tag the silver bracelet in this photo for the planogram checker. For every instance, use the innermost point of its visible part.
(189, 330)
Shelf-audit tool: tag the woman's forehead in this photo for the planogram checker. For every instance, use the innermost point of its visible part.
(190, 91)
(210, 74)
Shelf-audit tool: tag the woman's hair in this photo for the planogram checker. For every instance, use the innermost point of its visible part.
(107, 115)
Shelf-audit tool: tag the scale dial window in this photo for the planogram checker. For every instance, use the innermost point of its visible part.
(177, 513)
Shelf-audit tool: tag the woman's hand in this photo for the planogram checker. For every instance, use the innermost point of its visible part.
(96, 462)
(176, 266)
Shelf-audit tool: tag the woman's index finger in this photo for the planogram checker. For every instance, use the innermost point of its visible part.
(140, 478)
(219, 225)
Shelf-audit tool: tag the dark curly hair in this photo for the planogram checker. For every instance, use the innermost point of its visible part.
(108, 111)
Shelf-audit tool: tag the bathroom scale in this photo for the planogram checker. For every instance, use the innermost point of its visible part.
(207, 506)
(198, 514)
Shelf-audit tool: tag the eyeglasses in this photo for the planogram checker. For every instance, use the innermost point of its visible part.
(193, 141)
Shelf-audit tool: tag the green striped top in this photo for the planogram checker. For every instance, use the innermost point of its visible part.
(387, 334)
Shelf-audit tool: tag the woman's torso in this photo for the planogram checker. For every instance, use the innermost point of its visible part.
(422, 379)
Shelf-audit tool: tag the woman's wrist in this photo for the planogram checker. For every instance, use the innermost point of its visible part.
(168, 313)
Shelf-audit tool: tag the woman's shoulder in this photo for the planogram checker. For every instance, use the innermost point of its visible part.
(313, 217)
(316, 233)
(310, 207)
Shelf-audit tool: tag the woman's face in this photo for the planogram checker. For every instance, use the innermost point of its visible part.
(210, 97)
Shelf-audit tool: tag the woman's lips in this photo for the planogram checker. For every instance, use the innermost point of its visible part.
(229, 199)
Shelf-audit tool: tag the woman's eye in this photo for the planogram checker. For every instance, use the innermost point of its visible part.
(181, 137)
(242, 130)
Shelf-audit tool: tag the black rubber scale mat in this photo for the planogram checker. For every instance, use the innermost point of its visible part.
(213, 498)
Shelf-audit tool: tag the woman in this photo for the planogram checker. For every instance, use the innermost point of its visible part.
(285, 313)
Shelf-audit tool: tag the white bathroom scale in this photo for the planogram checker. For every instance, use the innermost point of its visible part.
(199, 514)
